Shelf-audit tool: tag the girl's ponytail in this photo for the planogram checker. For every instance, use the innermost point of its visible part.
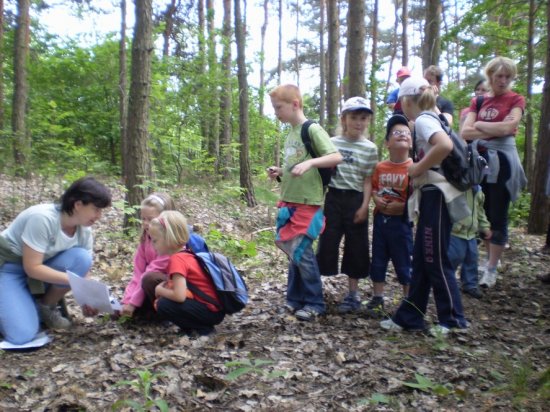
(427, 99)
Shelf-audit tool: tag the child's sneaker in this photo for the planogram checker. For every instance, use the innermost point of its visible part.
(489, 278)
(350, 304)
(51, 317)
(389, 324)
(473, 292)
(439, 331)
(306, 314)
(375, 307)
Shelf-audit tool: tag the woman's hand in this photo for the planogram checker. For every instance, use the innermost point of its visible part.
(88, 311)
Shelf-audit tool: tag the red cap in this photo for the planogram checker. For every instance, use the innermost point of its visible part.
(402, 72)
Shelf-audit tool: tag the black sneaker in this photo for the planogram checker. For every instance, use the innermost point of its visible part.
(375, 307)
(474, 293)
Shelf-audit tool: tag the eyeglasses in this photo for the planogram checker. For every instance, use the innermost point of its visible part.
(399, 133)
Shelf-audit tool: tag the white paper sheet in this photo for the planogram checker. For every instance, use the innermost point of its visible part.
(92, 293)
(40, 340)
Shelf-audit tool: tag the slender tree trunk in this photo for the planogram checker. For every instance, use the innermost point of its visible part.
(296, 45)
(356, 47)
(404, 34)
(212, 111)
(122, 92)
(539, 213)
(139, 154)
(244, 162)
(225, 100)
(374, 68)
(431, 50)
(279, 76)
(322, 64)
(333, 95)
(1, 65)
(528, 151)
(21, 139)
(261, 92)
(203, 90)
(169, 27)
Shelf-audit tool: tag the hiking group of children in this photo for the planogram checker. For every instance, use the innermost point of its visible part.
(46, 241)
(448, 221)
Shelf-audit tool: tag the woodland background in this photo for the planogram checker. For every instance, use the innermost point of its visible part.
(166, 104)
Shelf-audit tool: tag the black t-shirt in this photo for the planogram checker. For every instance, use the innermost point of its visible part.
(444, 105)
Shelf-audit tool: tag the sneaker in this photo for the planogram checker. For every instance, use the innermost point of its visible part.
(306, 314)
(375, 307)
(350, 304)
(489, 278)
(51, 317)
(389, 324)
(473, 292)
(289, 308)
(439, 331)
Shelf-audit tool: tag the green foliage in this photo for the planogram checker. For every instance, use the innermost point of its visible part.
(523, 383)
(234, 248)
(426, 385)
(252, 366)
(375, 399)
(519, 211)
(143, 386)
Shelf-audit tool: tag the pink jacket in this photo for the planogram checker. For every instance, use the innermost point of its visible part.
(146, 260)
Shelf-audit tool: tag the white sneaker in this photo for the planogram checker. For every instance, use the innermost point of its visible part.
(389, 324)
(489, 278)
(439, 330)
(51, 317)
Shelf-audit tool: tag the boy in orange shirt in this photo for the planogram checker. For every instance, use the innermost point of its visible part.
(392, 231)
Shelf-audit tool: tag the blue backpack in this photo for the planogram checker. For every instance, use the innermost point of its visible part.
(228, 282)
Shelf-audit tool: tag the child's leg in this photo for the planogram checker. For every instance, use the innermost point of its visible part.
(190, 315)
(294, 294)
(355, 262)
(380, 255)
(18, 316)
(328, 249)
(149, 282)
(457, 251)
(309, 280)
(468, 272)
(442, 276)
(401, 249)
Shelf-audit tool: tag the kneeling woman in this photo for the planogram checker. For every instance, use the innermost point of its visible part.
(172, 298)
(43, 243)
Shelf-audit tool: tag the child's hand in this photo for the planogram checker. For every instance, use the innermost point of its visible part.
(88, 311)
(274, 172)
(414, 170)
(301, 168)
(487, 234)
(361, 215)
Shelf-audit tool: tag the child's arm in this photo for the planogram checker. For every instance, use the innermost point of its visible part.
(363, 212)
(174, 289)
(441, 147)
(329, 160)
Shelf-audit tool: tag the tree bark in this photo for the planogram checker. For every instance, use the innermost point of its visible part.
(212, 112)
(431, 49)
(528, 150)
(225, 98)
(122, 92)
(374, 65)
(540, 210)
(2, 64)
(168, 28)
(404, 34)
(21, 139)
(139, 153)
(322, 64)
(244, 162)
(261, 93)
(333, 95)
(356, 48)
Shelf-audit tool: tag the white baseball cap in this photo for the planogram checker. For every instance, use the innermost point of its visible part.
(412, 86)
(356, 103)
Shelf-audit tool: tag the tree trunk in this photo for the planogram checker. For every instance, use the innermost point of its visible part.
(404, 34)
(21, 139)
(261, 92)
(244, 162)
(333, 95)
(139, 156)
(296, 45)
(322, 64)
(212, 112)
(374, 65)
(538, 215)
(431, 49)
(279, 76)
(356, 48)
(122, 92)
(203, 90)
(168, 28)
(1, 65)
(528, 150)
(225, 100)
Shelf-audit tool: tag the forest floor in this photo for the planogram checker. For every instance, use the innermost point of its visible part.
(263, 359)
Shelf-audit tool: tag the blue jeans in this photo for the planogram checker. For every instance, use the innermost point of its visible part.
(19, 322)
(464, 252)
(305, 288)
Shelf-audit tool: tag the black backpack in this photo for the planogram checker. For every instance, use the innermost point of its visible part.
(325, 172)
(464, 167)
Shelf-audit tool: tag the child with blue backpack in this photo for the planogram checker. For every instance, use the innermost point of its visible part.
(194, 312)
(148, 264)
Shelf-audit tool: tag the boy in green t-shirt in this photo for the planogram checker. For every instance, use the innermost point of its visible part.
(300, 219)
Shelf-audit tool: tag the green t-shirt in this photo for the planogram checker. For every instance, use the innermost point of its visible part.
(308, 188)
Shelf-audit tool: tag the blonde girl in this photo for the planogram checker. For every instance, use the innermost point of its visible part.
(437, 202)
(171, 298)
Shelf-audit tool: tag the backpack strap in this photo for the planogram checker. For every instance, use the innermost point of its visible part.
(195, 290)
(306, 138)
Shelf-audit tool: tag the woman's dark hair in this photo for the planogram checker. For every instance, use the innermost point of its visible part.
(87, 190)
(479, 82)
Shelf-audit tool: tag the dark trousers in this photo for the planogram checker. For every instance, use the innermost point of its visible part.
(190, 315)
(497, 203)
(340, 208)
(432, 268)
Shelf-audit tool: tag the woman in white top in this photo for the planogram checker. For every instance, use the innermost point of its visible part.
(43, 243)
